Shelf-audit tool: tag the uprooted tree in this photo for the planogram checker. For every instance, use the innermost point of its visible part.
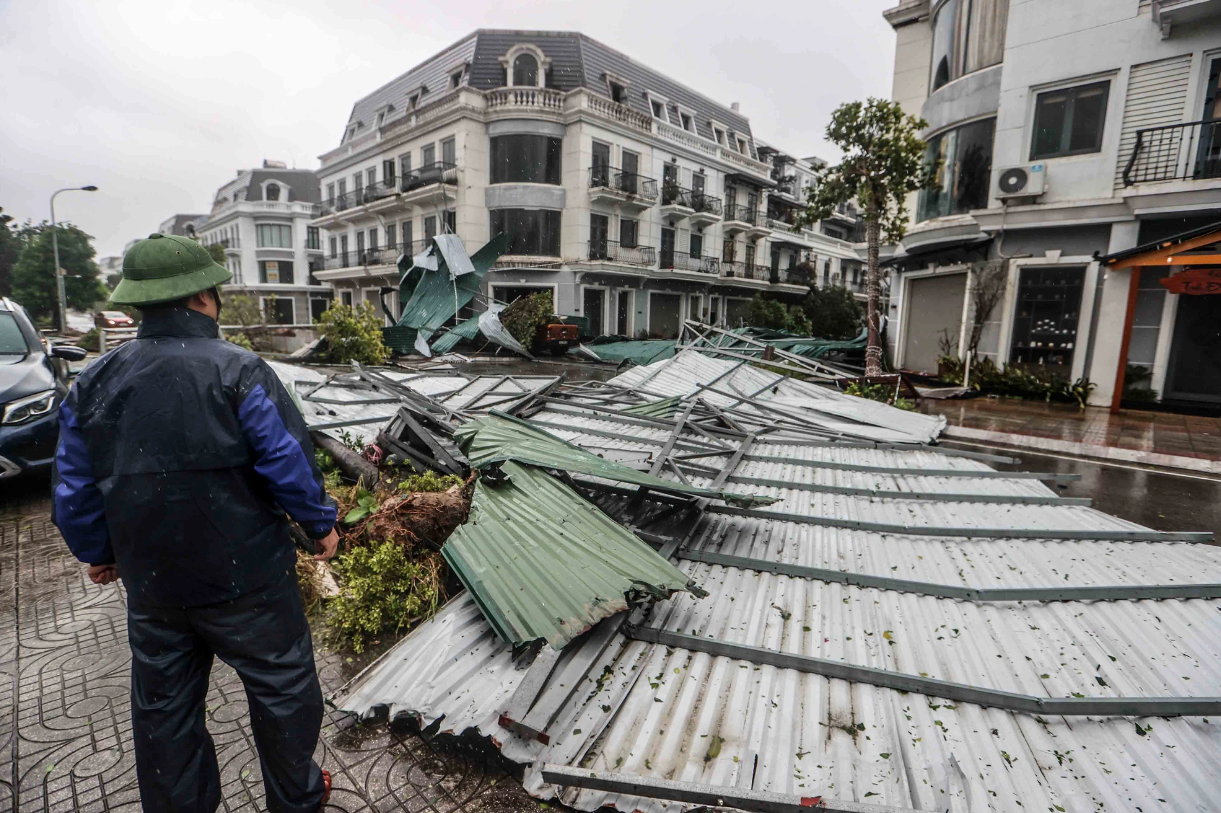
(883, 163)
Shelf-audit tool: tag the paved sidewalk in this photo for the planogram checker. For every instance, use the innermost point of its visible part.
(65, 723)
(1152, 438)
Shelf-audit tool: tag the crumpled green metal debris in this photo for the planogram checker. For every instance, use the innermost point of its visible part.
(499, 437)
(541, 562)
(434, 297)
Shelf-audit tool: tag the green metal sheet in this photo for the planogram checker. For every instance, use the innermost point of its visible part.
(638, 352)
(498, 437)
(399, 339)
(465, 331)
(541, 562)
(437, 296)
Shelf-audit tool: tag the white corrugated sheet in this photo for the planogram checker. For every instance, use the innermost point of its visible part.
(656, 711)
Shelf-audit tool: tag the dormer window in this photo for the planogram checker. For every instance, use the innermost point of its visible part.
(526, 66)
(658, 105)
(455, 79)
(719, 133)
(742, 146)
(659, 110)
(380, 118)
(525, 71)
(618, 93)
(688, 122)
(414, 101)
(273, 192)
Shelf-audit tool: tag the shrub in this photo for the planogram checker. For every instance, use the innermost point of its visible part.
(833, 312)
(383, 591)
(240, 339)
(1017, 382)
(91, 341)
(241, 309)
(353, 334)
(880, 392)
(524, 316)
(429, 482)
(767, 312)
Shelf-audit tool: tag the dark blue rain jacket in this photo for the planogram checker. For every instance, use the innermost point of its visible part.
(177, 452)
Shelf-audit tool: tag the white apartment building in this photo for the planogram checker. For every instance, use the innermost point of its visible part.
(1068, 131)
(635, 200)
(263, 218)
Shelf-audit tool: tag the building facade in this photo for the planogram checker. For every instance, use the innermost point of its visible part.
(263, 218)
(1067, 131)
(636, 201)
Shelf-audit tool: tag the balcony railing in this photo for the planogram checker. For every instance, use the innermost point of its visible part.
(382, 255)
(736, 269)
(1175, 152)
(630, 183)
(742, 213)
(684, 261)
(674, 195)
(705, 203)
(436, 172)
(379, 189)
(611, 251)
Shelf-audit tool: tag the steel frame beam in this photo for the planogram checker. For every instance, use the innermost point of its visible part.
(1135, 592)
(755, 801)
(932, 687)
(968, 533)
(988, 474)
(1002, 499)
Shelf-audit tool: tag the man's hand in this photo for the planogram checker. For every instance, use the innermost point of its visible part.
(327, 545)
(103, 574)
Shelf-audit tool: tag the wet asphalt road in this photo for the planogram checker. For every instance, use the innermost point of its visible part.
(1161, 499)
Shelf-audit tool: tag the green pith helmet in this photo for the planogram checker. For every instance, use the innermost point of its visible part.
(166, 267)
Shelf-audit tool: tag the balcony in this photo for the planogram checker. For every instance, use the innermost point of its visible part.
(739, 218)
(675, 201)
(798, 276)
(378, 190)
(369, 258)
(438, 172)
(685, 263)
(610, 251)
(707, 209)
(747, 273)
(628, 189)
(1173, 15)
(1175, 152)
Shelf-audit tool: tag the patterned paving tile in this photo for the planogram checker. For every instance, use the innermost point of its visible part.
(65, 722)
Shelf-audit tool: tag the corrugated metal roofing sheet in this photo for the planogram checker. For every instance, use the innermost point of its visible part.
(690, 372)
(667, 712)
(541, 562)
(499, 437)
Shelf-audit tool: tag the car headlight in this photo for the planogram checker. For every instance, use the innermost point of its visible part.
(28, 408)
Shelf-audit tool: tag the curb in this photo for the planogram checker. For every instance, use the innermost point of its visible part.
(1172, 461)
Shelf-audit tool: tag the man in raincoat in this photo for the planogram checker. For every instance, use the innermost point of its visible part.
(179, 454)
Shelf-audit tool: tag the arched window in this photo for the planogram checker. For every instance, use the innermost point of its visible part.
(273, 192)
(525, 71)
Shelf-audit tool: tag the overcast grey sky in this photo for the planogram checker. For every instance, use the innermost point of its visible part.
(159, 102)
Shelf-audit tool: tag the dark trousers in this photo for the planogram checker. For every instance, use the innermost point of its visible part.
(264, 636)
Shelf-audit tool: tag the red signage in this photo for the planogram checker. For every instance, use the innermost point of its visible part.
(1194, 282)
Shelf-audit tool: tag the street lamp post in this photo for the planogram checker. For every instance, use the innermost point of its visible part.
(61, 298)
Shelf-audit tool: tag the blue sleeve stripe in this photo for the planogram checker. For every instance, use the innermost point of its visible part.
(280, 460)
(79, 511)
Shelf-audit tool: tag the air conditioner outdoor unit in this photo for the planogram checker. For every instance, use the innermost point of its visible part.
(1021, 182)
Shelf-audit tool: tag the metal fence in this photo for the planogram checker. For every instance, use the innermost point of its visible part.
(1190, 151)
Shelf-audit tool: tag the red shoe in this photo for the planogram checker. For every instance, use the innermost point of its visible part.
(326, 784)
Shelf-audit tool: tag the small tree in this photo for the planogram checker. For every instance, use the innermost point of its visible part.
(218, 253)
(767, 312)
(883, 163)
(525, 314)
(34, 274)
(833, 312)
(10, 251)
(987, 291)
(353, 334)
